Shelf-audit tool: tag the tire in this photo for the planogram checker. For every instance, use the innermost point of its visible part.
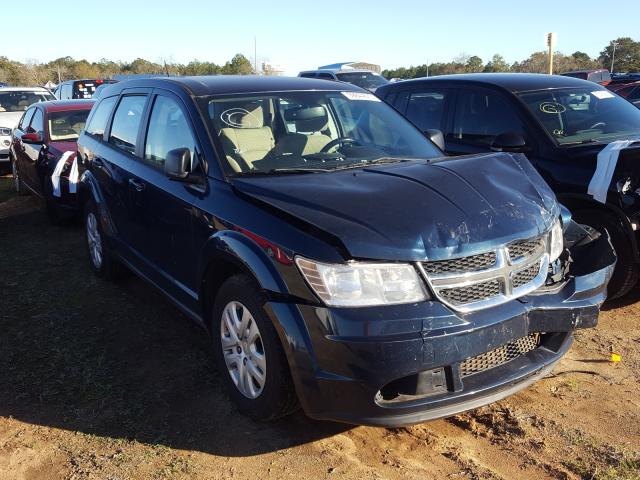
(264, 399)
(101, 260)
(17, 183)
(625, 275)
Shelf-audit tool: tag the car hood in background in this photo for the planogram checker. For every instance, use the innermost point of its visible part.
(416, 210)
(10, 119)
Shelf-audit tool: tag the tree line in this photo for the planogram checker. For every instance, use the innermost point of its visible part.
(66, 68)
(627, 59)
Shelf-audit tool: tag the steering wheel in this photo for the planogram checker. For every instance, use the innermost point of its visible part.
(336, 142)
(597, 124)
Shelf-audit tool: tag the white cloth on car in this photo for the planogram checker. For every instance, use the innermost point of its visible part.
(607, 161)
(55, 176)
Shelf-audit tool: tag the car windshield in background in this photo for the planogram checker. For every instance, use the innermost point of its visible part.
(362, 79)
(66, 126)
(583, 115)
(16, 101)
(311, 131)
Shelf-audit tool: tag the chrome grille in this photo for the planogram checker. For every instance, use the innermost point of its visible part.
(500, 356)
(524, 248)
(472, 293)
(462, 265)
(525, 275)
(491, 278)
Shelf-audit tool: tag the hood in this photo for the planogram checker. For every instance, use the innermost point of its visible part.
(10, 119)
(417, 210)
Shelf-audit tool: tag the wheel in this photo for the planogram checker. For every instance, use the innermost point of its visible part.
(100, 258)
(626, 273)
(248, 352)
(17, 183)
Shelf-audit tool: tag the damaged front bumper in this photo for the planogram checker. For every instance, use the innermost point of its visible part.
(406, 364)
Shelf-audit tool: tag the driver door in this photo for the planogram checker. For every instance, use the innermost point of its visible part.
(31, 153)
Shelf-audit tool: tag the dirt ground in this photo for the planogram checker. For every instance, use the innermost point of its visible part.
(105, 381)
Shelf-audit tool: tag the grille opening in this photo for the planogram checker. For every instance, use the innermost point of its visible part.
(501, 355)
(472, 293)
(524, 248)
(525, 275)
(421, 384)
(473, 263)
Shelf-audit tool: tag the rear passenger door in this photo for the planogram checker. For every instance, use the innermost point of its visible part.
(478, 116)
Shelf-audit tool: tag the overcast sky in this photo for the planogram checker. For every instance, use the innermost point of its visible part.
(305, 34)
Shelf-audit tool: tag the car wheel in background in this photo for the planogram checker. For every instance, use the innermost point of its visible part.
(625, 276)
(248, 352)
(100, 258)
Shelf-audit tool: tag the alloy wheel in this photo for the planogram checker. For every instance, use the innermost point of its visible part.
(94, 240)
(243, 350)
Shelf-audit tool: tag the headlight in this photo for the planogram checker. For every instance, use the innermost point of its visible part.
(556, 241)
(363, 284)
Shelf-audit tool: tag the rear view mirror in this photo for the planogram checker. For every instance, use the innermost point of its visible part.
(509, 142)
(436, 137)
(32, 138)
(177, 165)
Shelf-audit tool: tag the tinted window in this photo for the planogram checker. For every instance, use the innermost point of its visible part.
(362, 79)
(168, 130)
(634, 95)
(326, 76)
(126, 122)
(481, 115)
(308, 75)
(26, 119)
(37, 123)
(426, 107)
(98, 123)
(400, 102)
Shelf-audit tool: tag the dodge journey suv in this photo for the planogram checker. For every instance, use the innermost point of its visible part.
(337, 260)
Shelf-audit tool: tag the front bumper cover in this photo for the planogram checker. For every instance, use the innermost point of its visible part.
(346, 356)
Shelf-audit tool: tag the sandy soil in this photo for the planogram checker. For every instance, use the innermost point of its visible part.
(103, 381)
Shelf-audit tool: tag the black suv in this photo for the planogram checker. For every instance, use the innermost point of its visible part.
(560, 123)
(82, 88)
(335, 257)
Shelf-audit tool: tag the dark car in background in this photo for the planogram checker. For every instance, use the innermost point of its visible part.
(76, 89)
(600, 75)
(629, 91)
(43, 152)
(334, 255)
(359, 77)
(560, 123)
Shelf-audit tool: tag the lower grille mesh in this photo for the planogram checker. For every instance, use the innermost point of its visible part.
(471, 293)
(500, 355)
(526, 275)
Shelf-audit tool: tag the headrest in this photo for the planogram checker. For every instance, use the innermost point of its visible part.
(308, 119)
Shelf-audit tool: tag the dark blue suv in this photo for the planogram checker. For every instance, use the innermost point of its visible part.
(337, 260)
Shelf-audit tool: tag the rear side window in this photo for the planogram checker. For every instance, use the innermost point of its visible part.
(481, 115)
(126, 122)
(426, 108)
(98, 121)
(168, 130)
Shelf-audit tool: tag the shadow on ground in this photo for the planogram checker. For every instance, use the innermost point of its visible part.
(112, 360)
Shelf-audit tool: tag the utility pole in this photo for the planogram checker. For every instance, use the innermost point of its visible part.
(255, 55)
(427, 67)
(613, 56)
(551, 42)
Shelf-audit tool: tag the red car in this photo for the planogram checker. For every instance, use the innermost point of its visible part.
(43, 152)
(630, 91)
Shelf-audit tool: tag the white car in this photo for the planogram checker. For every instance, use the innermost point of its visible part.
(13, 103)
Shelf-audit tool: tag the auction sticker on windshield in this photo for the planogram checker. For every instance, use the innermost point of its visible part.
(602, 94)
(361, 96)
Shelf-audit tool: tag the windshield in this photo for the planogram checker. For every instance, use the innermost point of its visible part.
(583, 115)
(362, 79)
(311, 131)
(16, 101)
(66, 126)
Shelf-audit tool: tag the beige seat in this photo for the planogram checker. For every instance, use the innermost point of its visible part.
(309, 137)
(249, 141)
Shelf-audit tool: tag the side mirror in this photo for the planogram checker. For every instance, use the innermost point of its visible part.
(509, 142)
(32, 137)
(177, 165)
(436, 137)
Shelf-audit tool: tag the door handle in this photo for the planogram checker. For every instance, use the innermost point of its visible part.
(137, 184)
